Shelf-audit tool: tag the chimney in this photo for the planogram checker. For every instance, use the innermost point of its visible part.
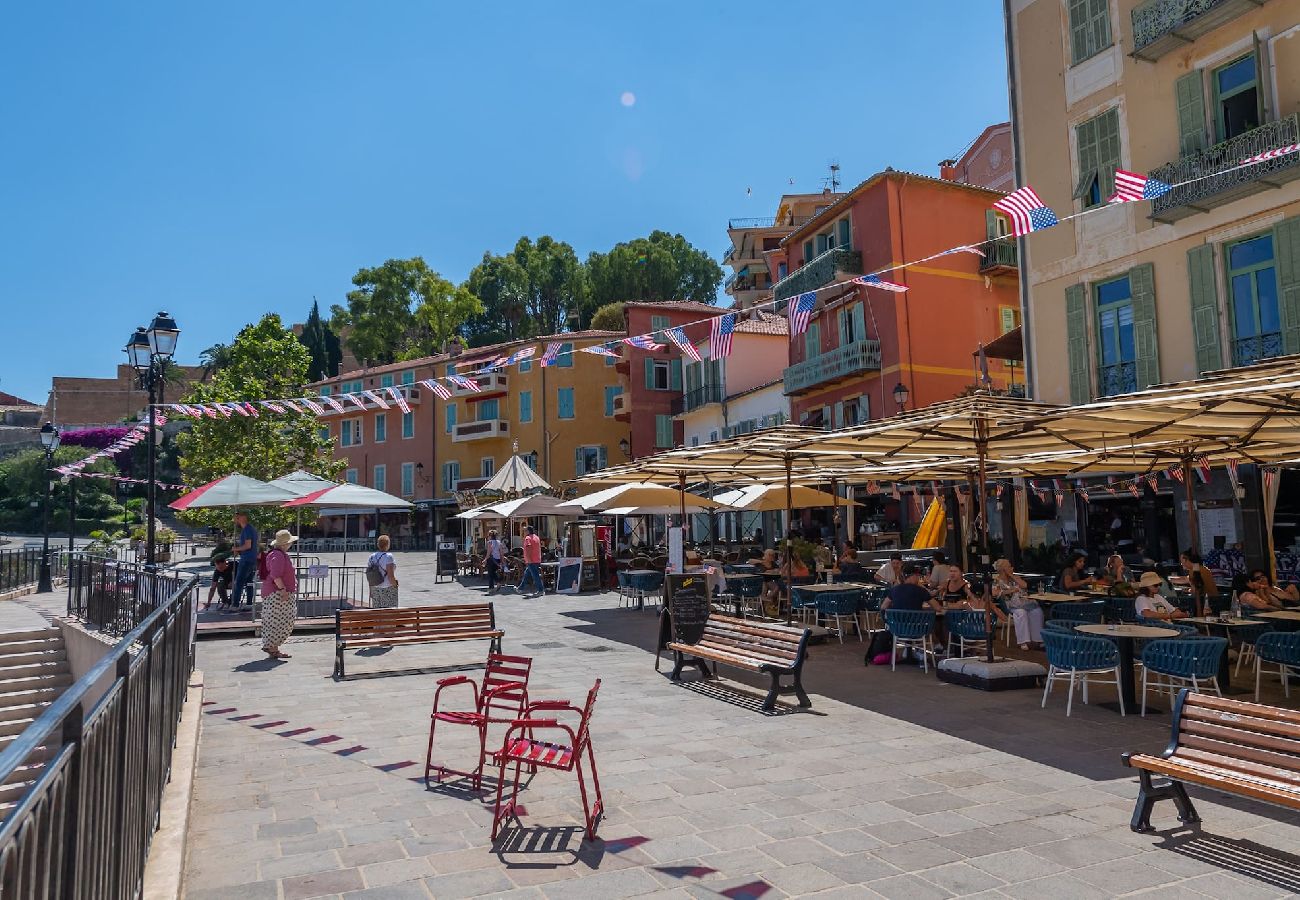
(454, 347)
(948, 170)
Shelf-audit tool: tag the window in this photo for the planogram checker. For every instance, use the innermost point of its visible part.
(812, 340)
(324, 432)
(525, 406)
(1252, 287)
(350, 433)
(408, 425)
(1089, 28)
(807, 252)
(852, 324)
(589, 459)
(350, 476)
(449, 417)
(351, 387)
(408, 377)
(1115, 347)
(526, 366)
(611, 391)
(857, 411)
(564, 399)
(564, 356)
(324, 390)
(386, 380)
(609, 360)
(381, 427)
(664, 431)
(658, 374)
(408, 479)
(713, 436)
(489, 409)
(1236, 97)
(695, 440)
(1097, 140)
(487, 467)
(660, 324)
(450, 370)
(845, 232)
(530, 458)
(381, 478)
(450, 475)
(782, 270)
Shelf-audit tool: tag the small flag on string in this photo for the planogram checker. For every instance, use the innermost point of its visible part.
(293, 406)
(966, 248)
(720, 329)
(1153, 481)
(1270, 154)
(552, 350)
(1134, 489)
(1027, 211)
(183, 410)
(643, 342)
(1232, 471)
(313, 406)
(356, 401)
(1131, 187)
(396, 394)
(678, 337)
(599, 350)
(438, 388)
(239, 408)
(468, 384)
(1270, 476)
(252, 410)
(1082, 492)
(1203, 469)
(520, 355)
(998, 488)
(273, 406)
(334, 404)
(876, 281)
(221, 408)
(1176, 473)
(378, 400)
(801, 311)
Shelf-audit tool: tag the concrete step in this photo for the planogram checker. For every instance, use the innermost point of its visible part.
(34, 634)
(44, 694)
(8, 660)
(35, 682)
(34, 670)
(15, 726)
(24, 711)
(18, 648)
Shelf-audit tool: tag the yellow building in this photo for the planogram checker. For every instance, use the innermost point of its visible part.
(1204, 277)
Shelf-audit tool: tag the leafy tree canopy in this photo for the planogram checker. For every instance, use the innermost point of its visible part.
(657, 268)
(608, 318)
(323, 345)
(536, 288)
(22, 490)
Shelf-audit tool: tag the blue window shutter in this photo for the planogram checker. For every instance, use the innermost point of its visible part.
(676, 377)
(649, 373)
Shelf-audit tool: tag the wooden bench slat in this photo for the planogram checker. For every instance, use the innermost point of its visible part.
(361, 628)
(1231, 760)
(380, 640)
(1248, 734)
(1224, 779)
(1242, 707)
(746, 662)
(766, 651)
(1254, 754)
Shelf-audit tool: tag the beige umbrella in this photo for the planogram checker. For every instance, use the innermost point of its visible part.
(641, 494)
(771, 498)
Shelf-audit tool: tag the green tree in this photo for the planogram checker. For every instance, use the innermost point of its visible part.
(214, 359)
(536, 288)
(323, 345)
(501, 283)
(661, 267)
(266, 361)
(22, 491)
(608, 318)
(402, 309)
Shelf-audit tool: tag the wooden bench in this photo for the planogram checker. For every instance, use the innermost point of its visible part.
(356, 629)
(777, 650)
(1247, 749)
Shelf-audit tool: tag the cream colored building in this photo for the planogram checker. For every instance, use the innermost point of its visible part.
(750, 281)
(1205, 277)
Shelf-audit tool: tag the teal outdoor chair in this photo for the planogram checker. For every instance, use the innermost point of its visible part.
(1190, 660)
(911, 628)
(1082, 658)
(1280, 648)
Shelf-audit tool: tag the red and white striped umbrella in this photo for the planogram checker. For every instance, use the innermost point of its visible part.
(232, 490)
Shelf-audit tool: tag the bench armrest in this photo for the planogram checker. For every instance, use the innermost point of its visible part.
(535, 723)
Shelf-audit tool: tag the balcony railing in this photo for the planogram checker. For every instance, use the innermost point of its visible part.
(1000, 256)
(491, 383)
(842, 362)
(819, 271)
(1163, 25)
(700, 396)
(477, 431)
(768, 222)
(1249, 350)
(1214, 178)
(1120, 378)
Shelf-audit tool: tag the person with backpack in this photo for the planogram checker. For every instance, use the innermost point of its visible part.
(381, 574)
(279, 595)
(492, 560)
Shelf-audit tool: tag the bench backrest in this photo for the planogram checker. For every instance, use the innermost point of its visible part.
(1249, 738)
(782, 644)
(415, 620)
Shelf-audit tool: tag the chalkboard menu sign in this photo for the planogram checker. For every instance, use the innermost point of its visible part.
(688, 605)
(447, 565)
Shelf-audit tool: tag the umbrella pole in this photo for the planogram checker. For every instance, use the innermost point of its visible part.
(835, 514)
(789, 547)
(981, 451)
(1193, 526)
(345, 538)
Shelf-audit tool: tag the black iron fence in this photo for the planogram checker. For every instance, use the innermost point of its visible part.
(99, 763)
(116, 596)
(19, 568)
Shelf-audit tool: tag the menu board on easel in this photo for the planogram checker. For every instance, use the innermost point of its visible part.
(685, 611)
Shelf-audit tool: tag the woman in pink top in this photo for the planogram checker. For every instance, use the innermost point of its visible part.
(279, 600)
(532, 561)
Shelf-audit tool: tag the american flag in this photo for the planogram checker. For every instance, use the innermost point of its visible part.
(1131, 187)
(965, 248)
(1270, 474)
(520, 355)
(437, 387)
(1026, 210)
(468, 384)
(313, 406)
(273, 406)
(1203, 469)
(1176, 473)
(1232, 469)
(1082, 492)
(1134, 489)
(334, 404)
(801, 312)
(643, 341)
(599, 350)
(357, 401)
(678, 337)
(239, 408)
(396, 394)
(221, 408)
(1270, 154)
(252, 410)
(552, 351)
(1153, 481)
(379, 401)
(720, 329)
(876, 281)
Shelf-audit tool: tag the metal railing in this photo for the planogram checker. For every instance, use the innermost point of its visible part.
(83, 827)
(1214, 178)
(19, 568)
(1120, 378)
(818, 271)
(1000, 254)
(851, 359)
(116, 596)
(1162, 25)
(694, 399)
(1249, 350)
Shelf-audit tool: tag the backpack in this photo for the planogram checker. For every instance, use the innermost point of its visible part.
(374, 574)
(263, 572)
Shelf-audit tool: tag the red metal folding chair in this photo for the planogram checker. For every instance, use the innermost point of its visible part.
(502, 700)
(522, 749)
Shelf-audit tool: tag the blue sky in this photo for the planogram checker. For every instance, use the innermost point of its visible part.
(225, 160)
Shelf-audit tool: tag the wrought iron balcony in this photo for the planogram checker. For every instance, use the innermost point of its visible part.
(1000, 257)
(700, 396)
(1249, 350)
(819, 271)
(1214, 178)
(477, 431)
(1120, 378)
(1160, 26)
(842, 362)
(491, 383)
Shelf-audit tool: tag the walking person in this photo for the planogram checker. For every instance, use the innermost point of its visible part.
(532, 562)
(246, 570)
(381, 572)
(492, 560)
(279, 596)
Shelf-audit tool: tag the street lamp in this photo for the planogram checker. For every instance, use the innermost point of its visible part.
(148, 350)
(900, 395)
(50, 441)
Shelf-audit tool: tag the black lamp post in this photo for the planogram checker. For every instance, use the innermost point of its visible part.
(50, 441)
(900, 395)
(148, 351)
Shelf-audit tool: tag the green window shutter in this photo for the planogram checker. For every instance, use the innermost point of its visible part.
(675, 375)
(812, 340)
(1076, 331)
(845, 234)
(1286, 250)
(649, 373)
(990, 225)
(1190, 96)
(859, 322)
(1142, 282)
(1108, 154)
(1204, 293)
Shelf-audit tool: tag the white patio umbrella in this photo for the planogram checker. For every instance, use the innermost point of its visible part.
(301, 483)
(232, 490)
(536, 505)
(643, 495)
(516, 475)
(350, 496)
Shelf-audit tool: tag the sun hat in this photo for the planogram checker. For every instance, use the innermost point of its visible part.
(283, 539)
(1150, 579)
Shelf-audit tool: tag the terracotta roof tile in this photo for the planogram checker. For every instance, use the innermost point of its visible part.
(766, 323)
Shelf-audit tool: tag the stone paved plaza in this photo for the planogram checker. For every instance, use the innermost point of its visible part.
(893, 785)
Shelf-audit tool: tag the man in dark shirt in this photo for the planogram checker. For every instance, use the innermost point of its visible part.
(909, 594)
(246, 572)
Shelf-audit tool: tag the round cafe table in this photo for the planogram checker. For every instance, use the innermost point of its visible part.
(1124, 635)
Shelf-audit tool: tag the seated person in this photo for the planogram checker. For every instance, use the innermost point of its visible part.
(1150, 603)
(766, 562)
(1072, 577)
(1257, 594)
(938, 570)
(955, 590)
(824, 557)
(1026, 614)
(891, 573)
(1117, 570)
(909, 593)
(848, 555)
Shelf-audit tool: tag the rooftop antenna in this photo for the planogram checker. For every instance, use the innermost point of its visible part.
(833, 181)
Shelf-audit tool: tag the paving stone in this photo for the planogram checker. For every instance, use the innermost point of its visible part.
(321, 884)
(1016, 865)
(395, 871)
(961, 878)
(364, 854)
(300, 864)
(800, 879)
(916, 855)
(909, 887)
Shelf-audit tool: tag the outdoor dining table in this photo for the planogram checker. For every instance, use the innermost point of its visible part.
(1281, 615)
(1209, 623)
(1123, 636)
(1050, 597)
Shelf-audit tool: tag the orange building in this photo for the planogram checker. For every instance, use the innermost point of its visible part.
(863, 342)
